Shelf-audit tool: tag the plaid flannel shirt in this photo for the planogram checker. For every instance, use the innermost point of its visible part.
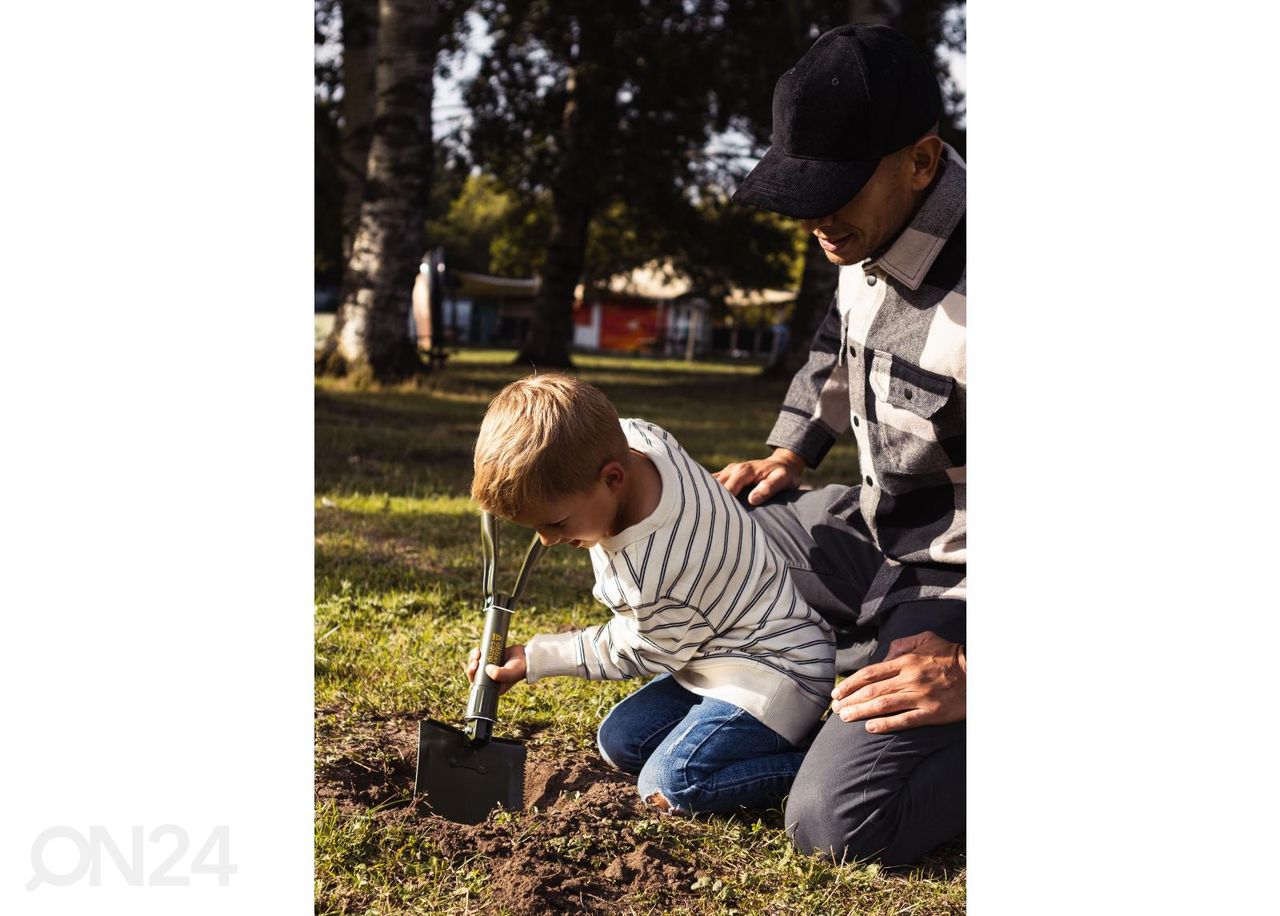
(889, 362)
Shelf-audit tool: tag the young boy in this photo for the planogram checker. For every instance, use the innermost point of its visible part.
(699, 597)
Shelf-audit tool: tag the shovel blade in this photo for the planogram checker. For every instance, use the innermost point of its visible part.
(464, 783)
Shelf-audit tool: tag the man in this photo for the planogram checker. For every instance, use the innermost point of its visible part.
(857, 159)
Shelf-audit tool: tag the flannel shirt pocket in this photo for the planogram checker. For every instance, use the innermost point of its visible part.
(907, 387)
(910, 420)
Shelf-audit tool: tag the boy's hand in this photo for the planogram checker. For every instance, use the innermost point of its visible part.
(780, 471)
(512, 671)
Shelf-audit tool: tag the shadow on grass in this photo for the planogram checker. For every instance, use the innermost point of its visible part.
(946, 863)
(418, 441)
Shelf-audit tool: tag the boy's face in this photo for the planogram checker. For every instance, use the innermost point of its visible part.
(578, 519)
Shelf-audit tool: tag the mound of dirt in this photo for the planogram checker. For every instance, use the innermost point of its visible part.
(577, 850)
(578, 846)
(546, 779)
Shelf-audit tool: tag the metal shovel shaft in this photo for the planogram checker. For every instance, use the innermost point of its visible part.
(482, 701)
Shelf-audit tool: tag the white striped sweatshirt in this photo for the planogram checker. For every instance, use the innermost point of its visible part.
(697, 590)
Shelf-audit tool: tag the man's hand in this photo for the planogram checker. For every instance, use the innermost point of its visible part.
(920, 682)
(512, 671)
(780, 471)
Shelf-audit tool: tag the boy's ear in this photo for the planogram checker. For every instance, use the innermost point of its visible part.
(612, 475)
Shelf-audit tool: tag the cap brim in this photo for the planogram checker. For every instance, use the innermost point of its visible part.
(802, 188)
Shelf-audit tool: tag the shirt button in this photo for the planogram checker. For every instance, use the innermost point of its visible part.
(853, 352)
(906, 393)
(868, 481)
(871, 279)
(855, 421)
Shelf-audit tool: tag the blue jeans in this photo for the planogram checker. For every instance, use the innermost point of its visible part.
(702, 754)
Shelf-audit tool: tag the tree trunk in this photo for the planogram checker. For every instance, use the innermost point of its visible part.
(585, 123)
(371, 330)
(359, 51)
(551, 330)
(817, 286)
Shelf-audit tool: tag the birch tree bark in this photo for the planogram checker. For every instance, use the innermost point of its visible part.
(371, 330)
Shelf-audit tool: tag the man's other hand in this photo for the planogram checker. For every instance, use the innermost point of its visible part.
(780, 471)
(920, 682)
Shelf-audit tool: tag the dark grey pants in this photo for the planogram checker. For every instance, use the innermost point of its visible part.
(889, 797)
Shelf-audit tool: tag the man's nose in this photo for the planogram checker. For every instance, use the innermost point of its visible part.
(547, 541)
(812, 224)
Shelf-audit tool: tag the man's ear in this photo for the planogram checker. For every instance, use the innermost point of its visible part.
(612, 475)
(925, 155)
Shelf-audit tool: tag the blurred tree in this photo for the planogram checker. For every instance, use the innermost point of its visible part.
(488, 228)
(719, 245)
(371, 330)
(605, 108)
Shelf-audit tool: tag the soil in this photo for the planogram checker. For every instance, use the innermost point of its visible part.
(575, 849)
(581, 845)
(577, 853)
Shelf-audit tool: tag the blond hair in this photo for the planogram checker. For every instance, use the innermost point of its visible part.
(543, 437)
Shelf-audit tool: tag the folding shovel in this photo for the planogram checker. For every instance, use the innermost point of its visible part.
(466, 774)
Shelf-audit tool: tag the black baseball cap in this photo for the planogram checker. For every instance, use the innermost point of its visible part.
(859, 93)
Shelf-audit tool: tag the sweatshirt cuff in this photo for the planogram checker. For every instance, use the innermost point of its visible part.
(550, 655)
(810, 439)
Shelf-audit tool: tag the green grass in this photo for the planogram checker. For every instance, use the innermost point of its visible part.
(398, 605)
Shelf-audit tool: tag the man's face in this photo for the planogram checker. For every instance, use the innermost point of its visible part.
(578, 519)
(873, 218)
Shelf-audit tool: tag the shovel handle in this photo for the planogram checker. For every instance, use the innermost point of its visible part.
(530, 560)
(482, 702)
(489, 551)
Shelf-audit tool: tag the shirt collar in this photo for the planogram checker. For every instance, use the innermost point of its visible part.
(910, 255)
